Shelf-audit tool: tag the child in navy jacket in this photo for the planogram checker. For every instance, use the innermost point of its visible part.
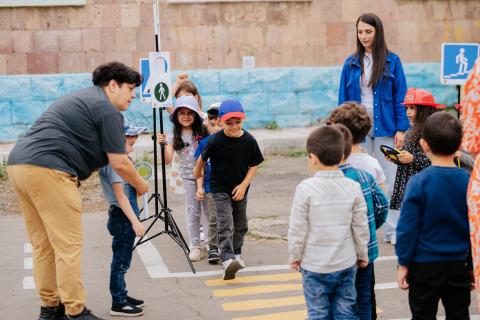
(433, 239)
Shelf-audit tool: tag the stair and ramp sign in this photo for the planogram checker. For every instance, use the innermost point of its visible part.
(457, 62)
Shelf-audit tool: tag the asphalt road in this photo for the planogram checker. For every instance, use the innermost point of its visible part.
(161, 276)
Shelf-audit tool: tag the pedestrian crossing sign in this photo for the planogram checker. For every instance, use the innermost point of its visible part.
(457, 62)
(156, 79)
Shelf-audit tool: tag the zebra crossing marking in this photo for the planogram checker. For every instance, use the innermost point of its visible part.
(289, 315)
(263, 303)
(291, 276)
(257, 290)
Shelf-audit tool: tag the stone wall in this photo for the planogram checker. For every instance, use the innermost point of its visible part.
(288, 97)
(218, 35)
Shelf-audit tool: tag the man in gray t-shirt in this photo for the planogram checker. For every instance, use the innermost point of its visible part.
(78, 134)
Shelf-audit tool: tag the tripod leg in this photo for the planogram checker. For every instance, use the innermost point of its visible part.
(140, 241)
(172, 223)
(176, 235)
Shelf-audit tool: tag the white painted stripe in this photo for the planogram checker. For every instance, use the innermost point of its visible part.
(28, 263)
(28, 283)
(27, 247)
(386, 258)
(152, 260)
(386, 285)
(219, 272)
(472, 317)
(201, 274)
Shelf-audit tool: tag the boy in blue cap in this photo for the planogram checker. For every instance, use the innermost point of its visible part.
(123, 224)
(234, 155)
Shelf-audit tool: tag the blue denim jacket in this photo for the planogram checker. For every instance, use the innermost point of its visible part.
(389, 113)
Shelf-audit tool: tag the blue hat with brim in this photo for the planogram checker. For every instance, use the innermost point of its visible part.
(132, 131)
(189, 102)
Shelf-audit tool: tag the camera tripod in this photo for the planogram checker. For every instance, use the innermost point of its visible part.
(162, 212)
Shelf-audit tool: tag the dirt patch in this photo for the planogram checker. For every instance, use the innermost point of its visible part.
(270, 195)
(90, 191)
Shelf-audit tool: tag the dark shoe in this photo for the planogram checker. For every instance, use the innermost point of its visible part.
(52, 313)
(230, 267)
(85, 315)
(213, 255)
(136, 302)
(125, 310)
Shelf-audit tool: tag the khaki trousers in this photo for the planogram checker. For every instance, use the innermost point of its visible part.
(52, 207)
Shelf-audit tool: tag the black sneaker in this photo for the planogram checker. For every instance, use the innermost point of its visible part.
(213, 255)
(85, 315)
(125, 310)
(136, 302)
(52, 313)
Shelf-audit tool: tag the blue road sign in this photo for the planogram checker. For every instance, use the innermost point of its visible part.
(457, 62)
(145, 94)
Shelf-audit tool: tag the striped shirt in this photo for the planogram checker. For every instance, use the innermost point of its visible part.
(377, 204)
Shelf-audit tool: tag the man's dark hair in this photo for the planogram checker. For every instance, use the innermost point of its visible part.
(117, 71)
(347, 138)
(355, 117)
(443, 133)
(327, 143)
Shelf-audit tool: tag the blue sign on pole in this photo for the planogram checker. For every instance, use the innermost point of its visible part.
(145, 93)
(457, 62)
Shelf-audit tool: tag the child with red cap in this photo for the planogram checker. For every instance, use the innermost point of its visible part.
(234, 155)
(420, 104)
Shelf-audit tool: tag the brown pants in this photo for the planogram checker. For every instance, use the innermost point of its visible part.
(52, 209)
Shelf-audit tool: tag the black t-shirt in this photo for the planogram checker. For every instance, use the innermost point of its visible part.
(73, 135)
(230, 160)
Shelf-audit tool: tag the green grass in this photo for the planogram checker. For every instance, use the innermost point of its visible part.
(271, 125)
(3, 171)
(292, 154)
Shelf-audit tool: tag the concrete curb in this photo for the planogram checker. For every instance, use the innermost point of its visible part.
(269, 141)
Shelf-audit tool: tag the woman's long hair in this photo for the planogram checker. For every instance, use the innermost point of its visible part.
(380, 50)
(198, 128)
(423, 112)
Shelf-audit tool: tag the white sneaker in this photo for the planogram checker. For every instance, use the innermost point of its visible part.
(240, 261)
(196, 253)
(393, 240)
(230, 267)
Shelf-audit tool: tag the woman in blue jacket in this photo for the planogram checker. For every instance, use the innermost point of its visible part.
(374, 76)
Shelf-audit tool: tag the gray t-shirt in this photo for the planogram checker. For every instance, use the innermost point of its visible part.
(108, 176)
(73, 135)
(186, 155)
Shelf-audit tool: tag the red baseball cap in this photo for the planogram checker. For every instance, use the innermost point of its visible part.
(231, 109)
(421, 97)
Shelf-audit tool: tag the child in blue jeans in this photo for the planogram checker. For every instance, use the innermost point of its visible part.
(377, 210)
(123, 225)
(328, 231)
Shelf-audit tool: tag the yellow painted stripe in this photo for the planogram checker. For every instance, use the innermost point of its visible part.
(257, 290)
(249, 279)
(379, 311)
(263, 303)
(290, 315)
